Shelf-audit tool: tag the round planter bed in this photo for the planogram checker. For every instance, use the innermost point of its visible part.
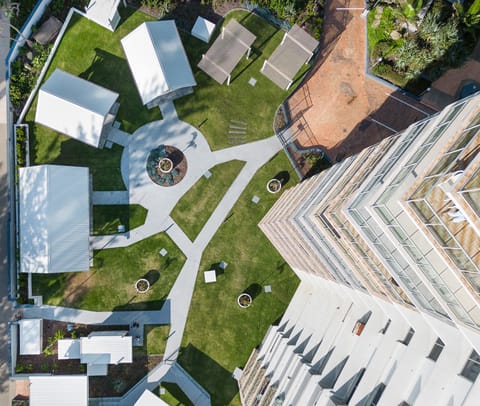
(142, 286)
(244, 300)
(274, 185)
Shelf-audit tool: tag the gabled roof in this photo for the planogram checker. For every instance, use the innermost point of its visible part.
(157, 59)
(149, 399)
(54, 219)
(103, 12)
(61, 390)
(74, 106)
(106, 347)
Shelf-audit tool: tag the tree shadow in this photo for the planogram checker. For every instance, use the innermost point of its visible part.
(147, 305)
(152, 276)
(283, 177)
(253, 290)
(218, 381)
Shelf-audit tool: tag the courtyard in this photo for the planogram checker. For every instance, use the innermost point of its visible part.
(222, 187)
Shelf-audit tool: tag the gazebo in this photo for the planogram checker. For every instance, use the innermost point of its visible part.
(226, 52)
(296, 49)
(54, 222)
(158, 62)
(76, 107)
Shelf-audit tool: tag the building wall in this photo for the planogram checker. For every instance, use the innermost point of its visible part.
(388, 309)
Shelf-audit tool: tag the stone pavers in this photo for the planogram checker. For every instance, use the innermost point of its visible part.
(113, 197)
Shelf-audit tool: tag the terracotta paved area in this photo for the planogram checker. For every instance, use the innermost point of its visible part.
(338, 107)
(450, 81)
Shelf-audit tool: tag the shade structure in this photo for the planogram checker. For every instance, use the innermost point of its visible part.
(61, 390)
(226, 52)
(203, 29)
(76, 107)
(30, 336)
(54, 213)
(104, 13)
(149, 399)
(106, 347)
(158, 62)
(295, 50)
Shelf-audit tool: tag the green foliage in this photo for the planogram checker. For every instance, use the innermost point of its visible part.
(24, 77)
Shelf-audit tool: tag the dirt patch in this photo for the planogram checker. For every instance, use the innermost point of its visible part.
(77, 286)
(120, 378)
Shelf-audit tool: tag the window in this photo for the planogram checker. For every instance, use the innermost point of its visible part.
(436, 350)
(472, 368)
(408, 337)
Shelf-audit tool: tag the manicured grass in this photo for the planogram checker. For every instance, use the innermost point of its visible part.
(196, 206)
(156, 338)
(94, 53)
(109, 285)
(219, 335)
(174, 396)
(106, 219)
(212, 106)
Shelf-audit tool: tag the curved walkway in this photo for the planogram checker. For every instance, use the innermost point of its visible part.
(160, 201)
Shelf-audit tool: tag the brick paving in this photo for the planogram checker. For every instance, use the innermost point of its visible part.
(339, 108)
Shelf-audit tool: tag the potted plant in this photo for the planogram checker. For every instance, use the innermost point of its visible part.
(142, 285)
(165, 165)
(244, 300)
(274, 185)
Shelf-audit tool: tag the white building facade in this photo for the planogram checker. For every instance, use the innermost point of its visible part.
(387, 246)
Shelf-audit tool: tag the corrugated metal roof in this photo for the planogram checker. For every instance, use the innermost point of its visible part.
(106, 349)
(157, 59)
(71, 390)
(54, 219)
(74, 106)
(30, 336)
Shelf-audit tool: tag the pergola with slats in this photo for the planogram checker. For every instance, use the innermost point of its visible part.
(296, 49)
(226, 52)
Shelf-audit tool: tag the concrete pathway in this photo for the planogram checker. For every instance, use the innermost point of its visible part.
(114, 197)
(160, 201)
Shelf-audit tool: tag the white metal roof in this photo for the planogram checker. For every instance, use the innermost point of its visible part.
(149, 399)
(106, 349)
(103, 12)
(203, 29)
(69, 349)
(157, 59)
(30, 336)
(54, 219)
(74, 106)
(61, 390)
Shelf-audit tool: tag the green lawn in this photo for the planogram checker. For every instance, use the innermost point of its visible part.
(173, 395)
(106, 219)
(95, 54)
(212, 106)
(109, 285)
(219, 335)
(196, 206)
(156, 338)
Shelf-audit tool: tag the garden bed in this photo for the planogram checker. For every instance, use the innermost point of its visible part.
(413, 43)
(120, 377)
